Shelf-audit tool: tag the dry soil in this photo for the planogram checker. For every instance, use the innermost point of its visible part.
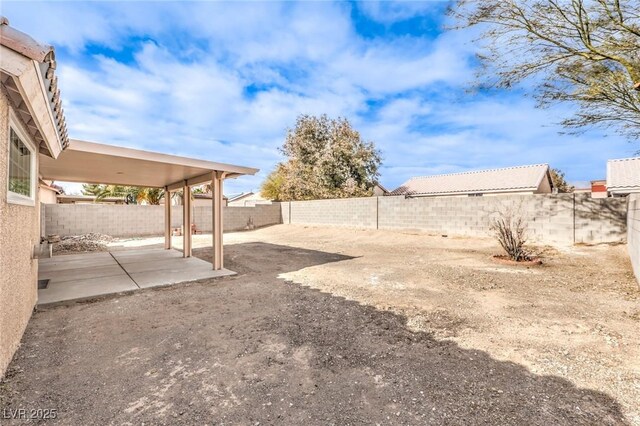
(337, 326)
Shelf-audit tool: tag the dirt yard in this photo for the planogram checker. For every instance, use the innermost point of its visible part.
(334, 326)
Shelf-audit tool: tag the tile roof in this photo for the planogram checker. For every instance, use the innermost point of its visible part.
(624, 174)
(379, 185)
(44, 54)
(237, 197)
(510, 179)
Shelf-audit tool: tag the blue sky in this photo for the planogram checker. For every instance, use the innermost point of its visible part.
(223, 81)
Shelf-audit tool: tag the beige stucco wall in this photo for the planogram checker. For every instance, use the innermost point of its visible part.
(47, 196)
(249, 201)
(18, 272)
(544, 187)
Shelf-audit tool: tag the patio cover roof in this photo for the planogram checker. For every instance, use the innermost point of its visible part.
(90, 162)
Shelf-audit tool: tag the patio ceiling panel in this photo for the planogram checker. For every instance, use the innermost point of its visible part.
(90, 162)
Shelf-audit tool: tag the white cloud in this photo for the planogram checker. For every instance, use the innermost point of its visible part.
(392, 11)
(177, 78)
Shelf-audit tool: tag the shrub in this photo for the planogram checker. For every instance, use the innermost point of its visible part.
(511, 231)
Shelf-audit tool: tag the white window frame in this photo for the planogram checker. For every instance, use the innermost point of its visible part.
(12, 197)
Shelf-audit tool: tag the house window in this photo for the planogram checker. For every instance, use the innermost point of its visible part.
(21, 188)
(478, 194)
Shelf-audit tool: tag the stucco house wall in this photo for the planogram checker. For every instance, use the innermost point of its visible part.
(248, 201)
(47, 195)
(18, 270)
(544, 187)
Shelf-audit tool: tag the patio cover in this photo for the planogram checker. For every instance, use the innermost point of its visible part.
(90, 162)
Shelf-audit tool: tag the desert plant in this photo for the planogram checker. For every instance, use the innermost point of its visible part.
(510, 229)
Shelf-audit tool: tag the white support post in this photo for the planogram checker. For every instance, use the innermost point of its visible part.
(186, 220)
(217, 229)
(167, 218)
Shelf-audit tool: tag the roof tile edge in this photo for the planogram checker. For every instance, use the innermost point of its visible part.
(25, 45)
(469, 172)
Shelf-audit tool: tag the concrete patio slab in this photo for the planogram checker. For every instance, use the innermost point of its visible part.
(175, 276)
(83, 288)
(81, 273)
(59, 263)
(80, 256)
(135, 256)
(178, 264)
(86, 275)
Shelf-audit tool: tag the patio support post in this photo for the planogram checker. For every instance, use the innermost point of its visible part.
(186, 220)
(217, 196)
(167, 218)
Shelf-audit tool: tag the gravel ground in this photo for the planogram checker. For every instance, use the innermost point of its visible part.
(327, 326)
(82, 243)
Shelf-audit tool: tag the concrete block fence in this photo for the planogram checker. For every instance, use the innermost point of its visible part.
(551, 219)
(135, 220)
(559, 218)
(633, 229)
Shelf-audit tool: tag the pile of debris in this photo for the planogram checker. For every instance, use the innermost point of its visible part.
(79, 243)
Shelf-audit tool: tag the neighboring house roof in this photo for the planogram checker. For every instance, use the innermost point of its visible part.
(88, 198)
(510, 179)
(44, 56)
(238, 197)
(43, 184)
(379, 185)
(205, 196)
(623, 175)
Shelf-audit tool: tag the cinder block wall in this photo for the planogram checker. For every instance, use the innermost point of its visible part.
(285, 209)
(600, 219)
(552, 219)
(135, 220)
(238, 218)
(633, 229)
(345, 212)
(561, 218)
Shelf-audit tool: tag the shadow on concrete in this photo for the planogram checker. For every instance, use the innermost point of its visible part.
(255, 349)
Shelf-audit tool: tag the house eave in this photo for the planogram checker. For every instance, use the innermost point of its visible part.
(488, 191)
(25, 84)
(623, 189)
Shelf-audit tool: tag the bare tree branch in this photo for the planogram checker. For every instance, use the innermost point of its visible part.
(585, 52)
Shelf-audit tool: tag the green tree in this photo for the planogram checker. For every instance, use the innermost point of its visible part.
(130, 194)
(326, 158)
(271, 188)
(151, 195)
(92, 189)
(583, 52)
(559, 182)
